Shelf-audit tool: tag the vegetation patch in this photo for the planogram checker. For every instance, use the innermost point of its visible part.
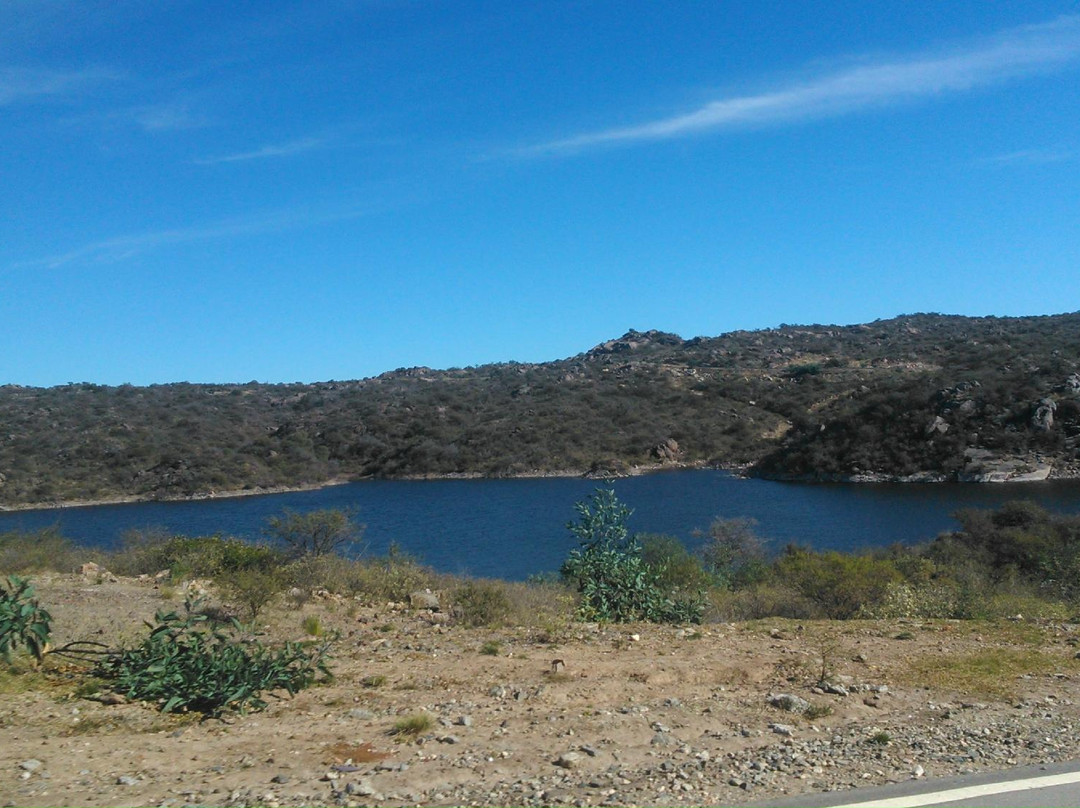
(993, 673)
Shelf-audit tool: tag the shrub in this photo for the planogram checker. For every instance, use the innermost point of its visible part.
(838, 583)
(614, 580)
(23, 621)
(676, 569)
(481, 603)
(36, 552)
(315, 533)
(192, 557)
(734, 554)
(253, 589)
(184, 665)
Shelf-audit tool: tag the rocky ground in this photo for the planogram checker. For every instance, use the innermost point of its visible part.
(561, 714)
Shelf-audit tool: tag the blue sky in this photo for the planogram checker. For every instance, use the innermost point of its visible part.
(305, 191)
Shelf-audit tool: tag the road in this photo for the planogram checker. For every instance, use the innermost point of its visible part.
(1033, 786)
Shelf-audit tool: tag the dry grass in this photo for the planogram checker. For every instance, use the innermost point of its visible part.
(993, 673)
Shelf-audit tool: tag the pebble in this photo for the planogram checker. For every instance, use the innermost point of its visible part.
(31, 765)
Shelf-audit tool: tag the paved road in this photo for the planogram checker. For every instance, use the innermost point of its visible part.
(1030, 786)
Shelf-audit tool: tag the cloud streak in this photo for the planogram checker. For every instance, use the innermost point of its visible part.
(27, 85)
(120, 248)
(1010, 54)
(1029, 157)
(270, 151)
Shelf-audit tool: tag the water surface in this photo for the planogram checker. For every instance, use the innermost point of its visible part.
(515, 528)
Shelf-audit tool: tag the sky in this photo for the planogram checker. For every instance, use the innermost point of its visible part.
(307, 191)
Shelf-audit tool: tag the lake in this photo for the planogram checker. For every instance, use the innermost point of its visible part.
(515, 528)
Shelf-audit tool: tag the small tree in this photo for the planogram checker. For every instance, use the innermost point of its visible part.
(612, 576)
(315, 533)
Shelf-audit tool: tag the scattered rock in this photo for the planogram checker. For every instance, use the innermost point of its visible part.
(568, 760)
(31, 765)
(789, 703)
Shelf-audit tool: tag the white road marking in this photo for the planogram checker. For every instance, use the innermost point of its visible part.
(969, 792)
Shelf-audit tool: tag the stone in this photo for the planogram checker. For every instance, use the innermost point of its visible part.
(789, 703)
(464, 721)
(127, 780)
(31, 765)
(360, 714)
(568, 760)
(362, 788)
(783, 729)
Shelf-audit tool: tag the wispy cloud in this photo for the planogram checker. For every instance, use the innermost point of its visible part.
(164, 117)
(120, 248)
(1010, 54)
(270, 151)
(1028, 157)
(26, 84)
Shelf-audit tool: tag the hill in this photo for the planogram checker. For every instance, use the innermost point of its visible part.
(916, 397)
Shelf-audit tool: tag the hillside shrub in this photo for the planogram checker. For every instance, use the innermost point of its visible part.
(734, 554)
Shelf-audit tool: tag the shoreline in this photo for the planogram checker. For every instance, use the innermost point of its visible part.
(634, 471)
(738, 470)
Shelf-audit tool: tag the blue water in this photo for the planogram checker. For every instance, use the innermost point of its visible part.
(515, 528)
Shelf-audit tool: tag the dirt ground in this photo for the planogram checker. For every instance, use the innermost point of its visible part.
(594, 715)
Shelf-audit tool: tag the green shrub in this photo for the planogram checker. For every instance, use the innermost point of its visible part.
(23, 621)
(253, 588)
(191, 557)
(491, 648)
(612, 577)
(481, 603)
(677, 570)
(838, 583)
(184, 665)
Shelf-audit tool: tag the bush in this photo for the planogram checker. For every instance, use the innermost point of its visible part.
(23, 621)
(677, 570)
(183, 665)
(192, 557)
(734, 554)
(252, 589)
(839, 584)
(481, 603)
(612, 577)
(315, 533)
(37, 552)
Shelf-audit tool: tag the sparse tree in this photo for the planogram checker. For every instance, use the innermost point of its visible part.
(315, 533)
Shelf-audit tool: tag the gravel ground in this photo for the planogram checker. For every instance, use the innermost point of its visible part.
(609, 715)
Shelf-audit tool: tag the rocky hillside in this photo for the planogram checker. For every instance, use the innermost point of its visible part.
(915, 397)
